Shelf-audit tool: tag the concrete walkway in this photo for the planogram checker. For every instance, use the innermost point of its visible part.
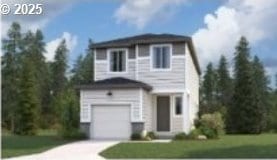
(83, 150)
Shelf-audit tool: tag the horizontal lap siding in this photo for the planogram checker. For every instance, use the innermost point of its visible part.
(147, 110)
(193, 87)
(177, 124)
(174, 79)
(101, 70)
(89, 97)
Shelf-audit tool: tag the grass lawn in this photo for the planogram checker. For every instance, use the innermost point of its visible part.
(228, 146)
(13, 145)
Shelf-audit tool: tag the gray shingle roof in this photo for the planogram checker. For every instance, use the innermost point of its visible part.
(115, 83)
(148, 39)
(141, 39)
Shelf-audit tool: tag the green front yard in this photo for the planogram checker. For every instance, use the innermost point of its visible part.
(13, 145)
(229, 146)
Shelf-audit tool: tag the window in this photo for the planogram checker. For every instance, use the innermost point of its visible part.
(117, 60)
(178, 105)
(161, 57)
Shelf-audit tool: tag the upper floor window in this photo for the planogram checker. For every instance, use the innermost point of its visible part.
(161, 56)
(118, 60)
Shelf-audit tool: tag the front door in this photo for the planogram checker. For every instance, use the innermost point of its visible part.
(163, 113)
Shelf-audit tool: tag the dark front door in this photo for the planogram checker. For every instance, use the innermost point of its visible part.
(163, 113)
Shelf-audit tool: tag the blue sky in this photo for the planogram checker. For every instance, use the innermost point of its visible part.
(96, 20)
(215, 25)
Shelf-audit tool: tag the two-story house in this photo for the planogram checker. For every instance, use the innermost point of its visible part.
(146, 82)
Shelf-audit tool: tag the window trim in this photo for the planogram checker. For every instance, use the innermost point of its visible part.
(109, 51)
(174, 105)
(152, 68)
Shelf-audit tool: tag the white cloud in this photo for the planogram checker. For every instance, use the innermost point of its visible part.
(141, 12)
(71, 42)
(254, 19)
(51, 9)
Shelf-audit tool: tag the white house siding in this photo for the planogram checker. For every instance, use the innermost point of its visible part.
(147, 110)
(119, 96)
(102, 65)
(177, 124)
(192, 87)
(163, 80)
(101, 70)
(176, 121)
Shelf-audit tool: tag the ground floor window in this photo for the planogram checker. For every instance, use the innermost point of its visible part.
(178, 103)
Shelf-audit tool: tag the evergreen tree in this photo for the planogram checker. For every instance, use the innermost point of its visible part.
(261, 91)
(59, 80)
(88, 65)
(77, 77)
(34, 47)
(243, 116)
(12, 47)
(83, 69)
(209, 88)
(69, 115)
(58, 68)
(224, 83)
(276, 83)
(28, 101)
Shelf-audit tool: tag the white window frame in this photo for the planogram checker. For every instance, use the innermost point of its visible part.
(174, 106)
(152, 68)
(109, 51)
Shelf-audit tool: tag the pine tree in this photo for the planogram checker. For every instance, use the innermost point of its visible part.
(243, 116)
(209, 90)
(69, 115)
(12, 47)
(34, 47)
(59, 80)
(88, 64)
(224, 83)
(261, 92)
(58, 68)
(276, 83)
(83, 69)
(77, 77)
(28, 101)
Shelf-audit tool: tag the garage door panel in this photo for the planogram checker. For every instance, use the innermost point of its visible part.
(111, 122)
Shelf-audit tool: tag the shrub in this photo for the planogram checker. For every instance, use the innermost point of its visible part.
(208, 132)
(213, 121)
(136, 136)
(180, 136)
(211, 125)
(194, 134)
(152, 135)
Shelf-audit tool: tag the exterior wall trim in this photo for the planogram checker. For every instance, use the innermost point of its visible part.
(137, 54)
(100, 61)
(141, 104)
(167, 91)
(94, 64)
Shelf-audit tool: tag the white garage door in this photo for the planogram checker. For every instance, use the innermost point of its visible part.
(111, 122)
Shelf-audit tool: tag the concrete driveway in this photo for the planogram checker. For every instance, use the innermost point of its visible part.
(83, 150)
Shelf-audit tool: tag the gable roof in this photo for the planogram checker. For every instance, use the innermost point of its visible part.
(148, 39)
(115, 83)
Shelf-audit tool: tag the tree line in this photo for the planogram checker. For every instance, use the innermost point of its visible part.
(244, 99)
(37, 93)
(40, 94)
